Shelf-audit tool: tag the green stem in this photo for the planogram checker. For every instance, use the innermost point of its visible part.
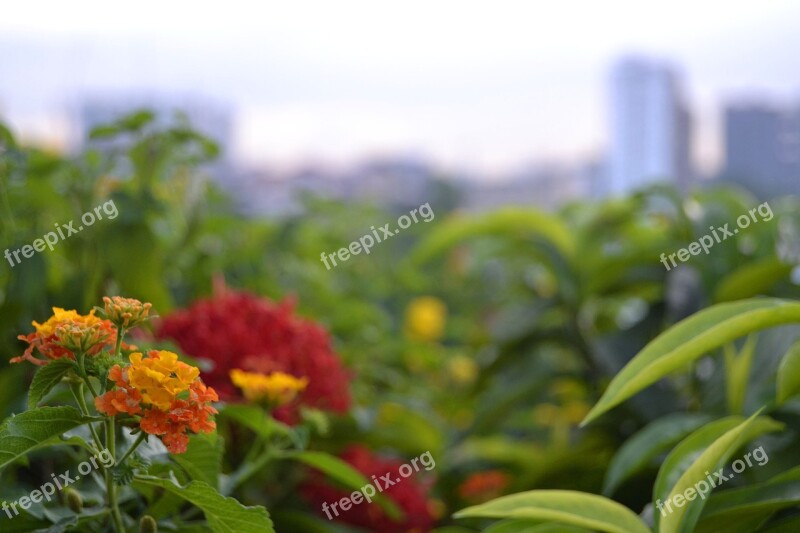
(254, 449)
(118, 347)
(77, 392)
(251, 468)
(111, 488)
(82, 369)
(142, 436)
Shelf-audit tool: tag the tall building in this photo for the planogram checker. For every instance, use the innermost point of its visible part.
(762, 148)
(650, 126)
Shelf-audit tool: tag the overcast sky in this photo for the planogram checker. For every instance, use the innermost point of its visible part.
(489, 85)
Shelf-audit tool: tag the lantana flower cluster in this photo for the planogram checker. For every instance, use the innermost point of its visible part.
(272, 390)
(64, 333)
(163, 395)
(168, 395)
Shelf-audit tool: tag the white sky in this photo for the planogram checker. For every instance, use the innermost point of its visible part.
(484, 84)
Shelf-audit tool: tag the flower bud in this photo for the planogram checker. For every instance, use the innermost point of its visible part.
(125, 312)
(74, 501)
(148, 524)
(78, 337)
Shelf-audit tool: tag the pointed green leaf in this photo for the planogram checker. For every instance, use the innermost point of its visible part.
(34, 429)
(46, 378)
(651, 441)
(737, 373)
(532, 526)
(345, 474)
(789, 374)
(690, 339)
(690, 467)
(224, 515)
(564, 506)
(744, 509)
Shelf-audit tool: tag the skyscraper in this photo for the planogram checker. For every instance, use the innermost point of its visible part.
(650, 126)
(762, 148)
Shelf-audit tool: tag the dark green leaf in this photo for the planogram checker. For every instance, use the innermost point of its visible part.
(224, 515)
(46, 378)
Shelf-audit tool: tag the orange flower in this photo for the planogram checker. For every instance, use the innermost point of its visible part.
(151, 386)
(483, 486)
(119, 401)
(276, 388)
(64, 332)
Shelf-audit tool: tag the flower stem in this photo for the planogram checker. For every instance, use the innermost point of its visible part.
(111, 488)
(142, 436)
(82, 369)
(118, 347)
(77, 392)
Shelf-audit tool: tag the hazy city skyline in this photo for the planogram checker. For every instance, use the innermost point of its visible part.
(462, 84)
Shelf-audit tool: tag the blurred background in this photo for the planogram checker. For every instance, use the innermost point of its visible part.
(523, 103)
(563, 147)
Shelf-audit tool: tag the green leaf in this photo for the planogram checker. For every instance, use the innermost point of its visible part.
(224, 515)
(508, 221)
(46, 378)
(203, 459)
(751, 280)
(23, 522)
(744, 509)
(790, 524)
(715, 442)
(34, 429)
(567, 507)
(532, 526)
(651, 441)
(401, 428)
(737, 373)
(690, 339)
(254, 418)
(789, 374)
(345, 474)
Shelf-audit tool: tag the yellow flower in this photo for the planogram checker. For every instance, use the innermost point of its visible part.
(61, 317)
(65, 332)
(425, 318)
(462, 369)
(276, 388)
(160, 377)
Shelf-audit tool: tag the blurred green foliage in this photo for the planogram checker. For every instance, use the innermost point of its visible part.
(543, 309)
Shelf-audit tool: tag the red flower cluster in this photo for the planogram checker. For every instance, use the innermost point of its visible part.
(241, 331)
(409, 494)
